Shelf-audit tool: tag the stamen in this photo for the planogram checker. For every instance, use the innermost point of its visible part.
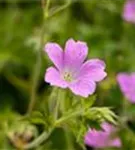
(68, 76)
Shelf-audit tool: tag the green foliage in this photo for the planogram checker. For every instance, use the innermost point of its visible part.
(108, 36)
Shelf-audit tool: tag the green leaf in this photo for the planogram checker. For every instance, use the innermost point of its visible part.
(93, 124)
(101, 114)
(88, 102)
(37, 121)
(131, 110)
(79, 129)
(41, 118)
(4, 58)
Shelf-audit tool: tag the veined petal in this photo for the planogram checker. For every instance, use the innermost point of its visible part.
(83, 88)
(55, 53)
(93, 69)
(52, 76)
(75, 53)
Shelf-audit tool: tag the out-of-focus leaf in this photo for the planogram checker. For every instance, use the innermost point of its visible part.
(101, 114)
(88, 102)
(40, 118)
(4, 58)
(130, 110)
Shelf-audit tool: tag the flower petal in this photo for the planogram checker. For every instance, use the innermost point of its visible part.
(127, 85)
(124, 81)
(96, 139)
(102, 138)
(93, 69)
(108, 127)
(52, 76)
(130, 97)
(129, 11)
(133, 78)
(115, 142)
(55, 53)
(75, 53)
(83, 88)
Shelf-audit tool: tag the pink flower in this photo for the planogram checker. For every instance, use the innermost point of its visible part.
(129, 11)
(127, 85)
(102, 138)
(71, 71)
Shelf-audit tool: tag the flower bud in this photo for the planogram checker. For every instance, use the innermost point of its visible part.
(21, 134)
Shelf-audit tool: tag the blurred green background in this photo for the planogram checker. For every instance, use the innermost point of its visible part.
(99, 23)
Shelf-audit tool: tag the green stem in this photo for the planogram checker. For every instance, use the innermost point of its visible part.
(37, 69)
(70, 116)
(56, 109)
(58, 122)
(44, 136)
(35, 83)
(46, 8)
(38, 63)
(68, 2)
(52, 99)
(124, 110)
(69, 142)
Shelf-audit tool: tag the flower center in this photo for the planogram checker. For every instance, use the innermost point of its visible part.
(68, 76)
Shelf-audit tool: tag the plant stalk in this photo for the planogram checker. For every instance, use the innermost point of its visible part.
(38, 60)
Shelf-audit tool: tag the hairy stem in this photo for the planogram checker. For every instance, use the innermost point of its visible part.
(38, 61)
(56, 109)
(44, 136)
(68, 2)
(70, 116)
